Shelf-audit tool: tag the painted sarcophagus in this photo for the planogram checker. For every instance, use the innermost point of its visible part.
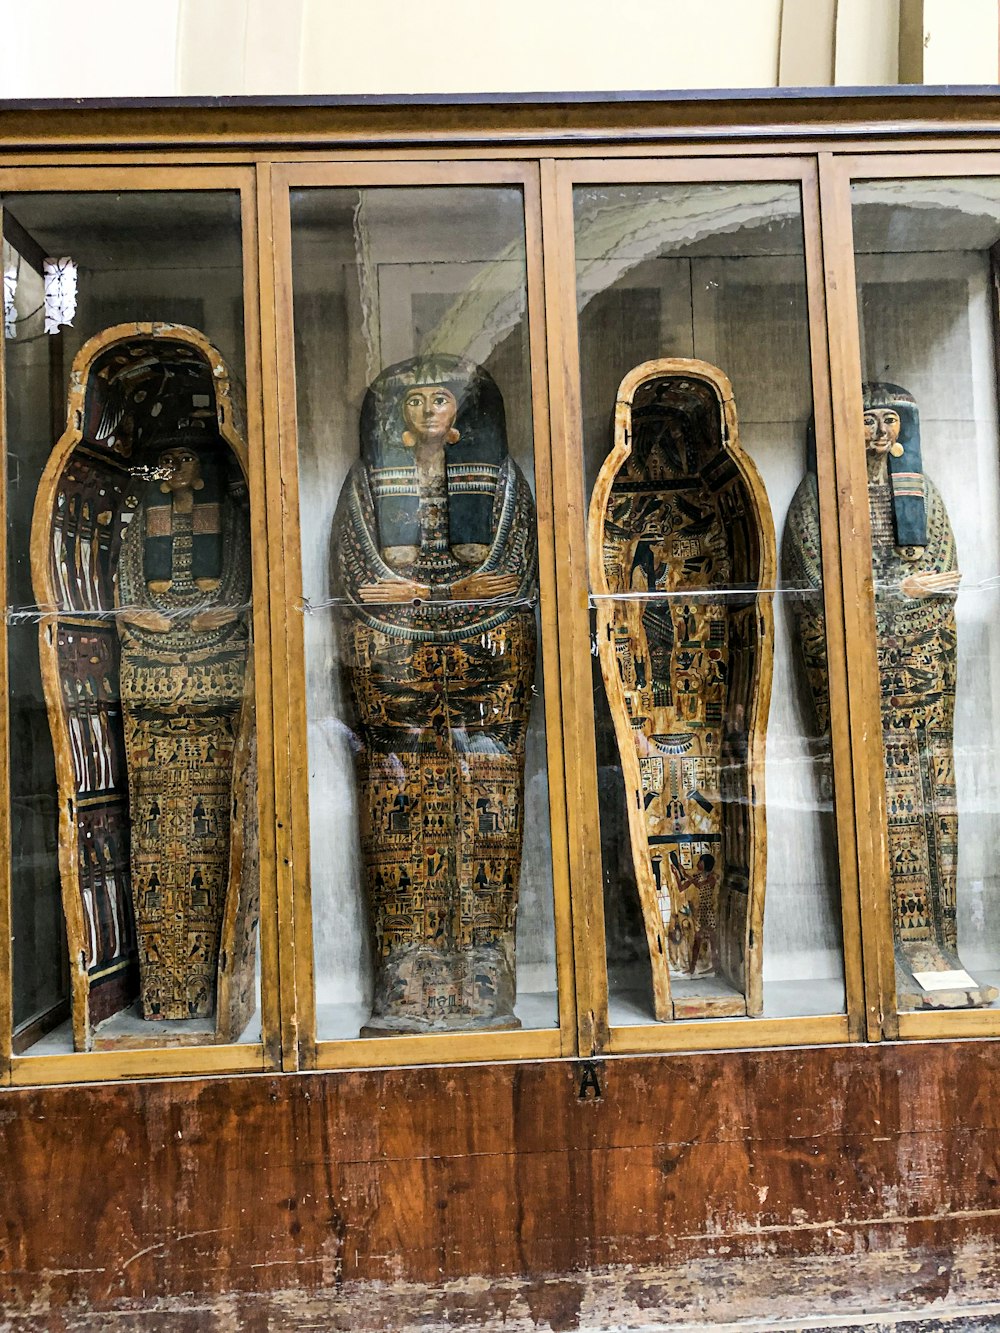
(682, 561)
(435, 555)
(140, 556)
(915, 569)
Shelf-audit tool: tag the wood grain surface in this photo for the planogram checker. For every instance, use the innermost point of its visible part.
(302, 1183)
(553, 119)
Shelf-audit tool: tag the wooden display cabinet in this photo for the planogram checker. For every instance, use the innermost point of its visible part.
(561, 243)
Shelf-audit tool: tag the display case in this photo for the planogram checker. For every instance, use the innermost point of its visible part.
(419, 610)
(452, 585)
(133, 643)
(924, 271)
(735, 784)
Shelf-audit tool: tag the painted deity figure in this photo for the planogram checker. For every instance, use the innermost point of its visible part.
(182, 589)
(435, 553)
(915, 569)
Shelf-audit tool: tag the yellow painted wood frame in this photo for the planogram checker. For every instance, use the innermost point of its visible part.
(286, 607)
(581, 765)
(229, 1057)
(6, 843)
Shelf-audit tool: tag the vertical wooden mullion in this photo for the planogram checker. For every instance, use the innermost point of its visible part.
(865, 718)
(263, 638)
(291, 724)
(547, 564)
(845, 804)
(568, 484)
(6, 868)
(284, 914)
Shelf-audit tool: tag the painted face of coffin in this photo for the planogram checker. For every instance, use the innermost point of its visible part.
(882, 425)
(185, 470)
(429, 412)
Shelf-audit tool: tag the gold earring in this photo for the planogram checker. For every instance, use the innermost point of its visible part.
(408, 439)
(164, 488)
(453, 436)
(896, 450)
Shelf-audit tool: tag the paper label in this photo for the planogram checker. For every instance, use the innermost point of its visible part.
(956, 979)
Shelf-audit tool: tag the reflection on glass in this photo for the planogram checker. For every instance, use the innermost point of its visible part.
(714, 273)
(925, 267)
(131, 714)
(426, 721)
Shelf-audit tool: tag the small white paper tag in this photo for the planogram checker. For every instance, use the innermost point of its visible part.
(956, 979)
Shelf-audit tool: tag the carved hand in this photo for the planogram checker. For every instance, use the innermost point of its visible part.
(394, 590)
(146, 620)
(928, 584)
(484, 587)
(213, 619)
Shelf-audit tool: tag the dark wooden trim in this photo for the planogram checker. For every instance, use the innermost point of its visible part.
(296, 123)
(569, 98)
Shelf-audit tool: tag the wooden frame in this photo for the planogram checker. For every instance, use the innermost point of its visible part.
(292, 715)
(234, 1057)
(820, 143)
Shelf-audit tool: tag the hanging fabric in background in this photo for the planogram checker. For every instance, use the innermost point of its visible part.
(9, 296)
(60, 292)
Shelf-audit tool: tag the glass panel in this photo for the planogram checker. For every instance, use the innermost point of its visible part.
(926, 272)
(693, 318)
(134, 821)
(428, 787)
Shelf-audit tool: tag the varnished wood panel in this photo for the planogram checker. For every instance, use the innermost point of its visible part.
(298, 1183)
(552, 118)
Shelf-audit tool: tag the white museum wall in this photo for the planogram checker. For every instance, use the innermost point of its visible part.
(156, 48)
(121, 48)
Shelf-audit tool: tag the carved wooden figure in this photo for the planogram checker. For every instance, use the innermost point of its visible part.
(140, 555)
(435, 552)
(915, 568)
(682, 563)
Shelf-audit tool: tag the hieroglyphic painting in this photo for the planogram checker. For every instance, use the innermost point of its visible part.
(915, 569)
(679, 542)
(141, 544)
(435, 553)
(183, 585)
